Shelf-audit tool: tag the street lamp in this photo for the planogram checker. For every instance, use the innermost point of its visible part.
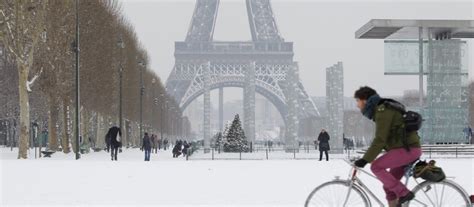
(142, 91)
(121, 45)
(155, 103)
(171, 109)
(161, 115)
(77, 50)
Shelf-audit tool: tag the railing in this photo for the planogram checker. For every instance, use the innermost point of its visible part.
(262, 153)
(233, 47)
(308, 152)
(454, 151)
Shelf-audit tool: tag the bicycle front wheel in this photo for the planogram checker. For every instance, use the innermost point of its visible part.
(444, 193)
(335, 193)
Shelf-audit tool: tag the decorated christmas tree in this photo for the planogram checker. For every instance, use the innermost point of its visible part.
(234, 138)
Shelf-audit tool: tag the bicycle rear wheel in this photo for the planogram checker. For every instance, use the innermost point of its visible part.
(444, 193)
(334, 193)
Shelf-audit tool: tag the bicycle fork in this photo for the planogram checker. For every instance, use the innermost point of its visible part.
(353, 178)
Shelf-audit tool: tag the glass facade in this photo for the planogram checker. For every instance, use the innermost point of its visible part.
(401, 56)
(335, 104)
(447, 108)
(445, 64)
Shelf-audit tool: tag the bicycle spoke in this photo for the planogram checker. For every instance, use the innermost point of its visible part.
(441, 198)
(416, 200)
(426, 194)
(436, 194)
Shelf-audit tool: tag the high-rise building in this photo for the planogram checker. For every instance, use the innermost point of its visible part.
(335, 104)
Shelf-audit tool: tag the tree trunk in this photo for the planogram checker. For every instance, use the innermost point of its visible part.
(53, 120)
(24, 109)
(100, 132)
(73, 138)
(66, 121)
(85, 129)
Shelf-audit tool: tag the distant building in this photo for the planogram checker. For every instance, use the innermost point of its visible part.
(335, 104)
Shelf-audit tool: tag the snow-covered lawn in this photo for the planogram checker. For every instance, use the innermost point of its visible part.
(96, 181)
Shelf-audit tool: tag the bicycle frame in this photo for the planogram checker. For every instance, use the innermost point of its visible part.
(356, 181)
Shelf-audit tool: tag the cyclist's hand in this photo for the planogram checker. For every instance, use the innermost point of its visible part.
(360, 163)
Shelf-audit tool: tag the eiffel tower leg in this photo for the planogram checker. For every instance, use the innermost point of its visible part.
(292, 103)
(249, 103)
(221, 109)
(207, 106)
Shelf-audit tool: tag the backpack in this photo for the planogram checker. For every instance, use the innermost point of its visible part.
(413, 120)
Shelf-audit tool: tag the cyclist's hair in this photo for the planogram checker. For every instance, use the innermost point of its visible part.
(364, 92)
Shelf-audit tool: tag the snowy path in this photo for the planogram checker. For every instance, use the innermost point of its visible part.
(96, 181)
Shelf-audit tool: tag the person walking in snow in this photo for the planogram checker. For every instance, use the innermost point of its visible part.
(165, 144)
(185, 148)
(177, 149)
(114, 135)
(147, 146)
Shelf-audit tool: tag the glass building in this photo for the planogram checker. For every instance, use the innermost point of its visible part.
(335, 104)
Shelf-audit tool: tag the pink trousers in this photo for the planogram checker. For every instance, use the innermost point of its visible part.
(390, 168)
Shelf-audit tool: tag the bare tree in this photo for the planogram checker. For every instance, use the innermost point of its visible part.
(24, 20)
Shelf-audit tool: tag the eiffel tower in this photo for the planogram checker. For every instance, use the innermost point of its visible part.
(264, 65)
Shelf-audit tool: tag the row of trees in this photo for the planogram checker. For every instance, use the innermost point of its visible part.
(38, 38)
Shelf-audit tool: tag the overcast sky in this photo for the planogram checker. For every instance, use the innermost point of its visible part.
(322, 32)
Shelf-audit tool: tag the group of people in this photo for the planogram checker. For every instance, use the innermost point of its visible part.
(113, 143)
(157, 143)
(181, 147)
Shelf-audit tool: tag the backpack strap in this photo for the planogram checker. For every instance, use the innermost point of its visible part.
(394, 105)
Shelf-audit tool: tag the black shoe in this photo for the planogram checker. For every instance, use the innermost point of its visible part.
(406, 198)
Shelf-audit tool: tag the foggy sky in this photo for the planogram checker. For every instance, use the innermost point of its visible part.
(322, 32)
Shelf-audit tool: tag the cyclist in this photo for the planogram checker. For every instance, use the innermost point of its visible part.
(389, 135)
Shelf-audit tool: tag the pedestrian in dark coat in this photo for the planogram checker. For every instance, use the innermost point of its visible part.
(147, 146)
(323, 140)
(185, 148)
(177, 149)
(165, 143)
(114, 135)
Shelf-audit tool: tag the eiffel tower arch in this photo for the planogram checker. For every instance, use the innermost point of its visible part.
(264, 65)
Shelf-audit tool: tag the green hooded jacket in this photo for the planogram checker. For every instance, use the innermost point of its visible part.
(389, 129)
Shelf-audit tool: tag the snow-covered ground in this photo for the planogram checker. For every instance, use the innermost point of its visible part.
(94, 180)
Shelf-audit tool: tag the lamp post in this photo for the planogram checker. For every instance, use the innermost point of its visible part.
(142, 65)
(77, 50)
(162, 115)
(155, 103)
(171, 109)
(121, 45)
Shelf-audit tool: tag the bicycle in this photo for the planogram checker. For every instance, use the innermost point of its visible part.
(444, 193)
